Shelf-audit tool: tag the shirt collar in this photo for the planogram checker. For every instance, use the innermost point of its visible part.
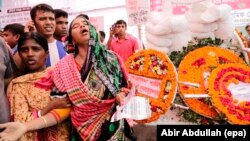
(126, 38)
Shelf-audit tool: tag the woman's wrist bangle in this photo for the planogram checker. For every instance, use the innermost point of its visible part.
(45, 121)
(39, 113)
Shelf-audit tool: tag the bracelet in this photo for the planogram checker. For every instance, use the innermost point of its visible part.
(45, 121)
(39, 113)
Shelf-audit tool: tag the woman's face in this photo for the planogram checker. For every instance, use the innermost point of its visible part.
(80, 31)
(33, 55)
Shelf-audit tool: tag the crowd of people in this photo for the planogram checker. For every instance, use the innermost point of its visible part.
(61, 80)
(50, 94)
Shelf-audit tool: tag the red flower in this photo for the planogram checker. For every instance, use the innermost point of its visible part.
(185, 87)
(154, 108)
(223, 60)
(155, 63)
(184, 72)
(199, 62)
(162, 67)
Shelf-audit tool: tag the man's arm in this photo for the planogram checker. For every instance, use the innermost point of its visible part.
(111, 36)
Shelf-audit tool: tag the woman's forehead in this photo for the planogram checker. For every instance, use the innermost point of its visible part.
(78, 19)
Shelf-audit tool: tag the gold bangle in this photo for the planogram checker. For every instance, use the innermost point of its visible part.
(45, 121)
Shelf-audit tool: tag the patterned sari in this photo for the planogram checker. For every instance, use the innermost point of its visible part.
(25, 101)
(91, 89)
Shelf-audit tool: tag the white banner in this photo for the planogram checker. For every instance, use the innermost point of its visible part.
(137, 11)
(241, 17)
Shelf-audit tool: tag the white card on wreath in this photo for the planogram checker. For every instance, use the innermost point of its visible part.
(135, 107)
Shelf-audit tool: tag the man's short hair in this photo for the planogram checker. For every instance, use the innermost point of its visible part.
(40, 7)
(121, 22)
(102, 33)
(247, 26)
(15, 28)
(60, 13)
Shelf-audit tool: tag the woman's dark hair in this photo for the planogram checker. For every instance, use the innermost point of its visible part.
(83, 15)
(35, 36)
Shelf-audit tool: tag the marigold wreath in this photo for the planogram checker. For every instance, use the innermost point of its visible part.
(229, 91)
(243, 43)
(155, 65)
(196, 68)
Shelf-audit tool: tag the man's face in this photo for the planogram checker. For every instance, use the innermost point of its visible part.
(120, 29)
(45, 23)
(248, 30)
(102, 39)
(10, 38)
(1, 33)
(61, 26)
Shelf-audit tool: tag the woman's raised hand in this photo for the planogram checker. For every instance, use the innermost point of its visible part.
(121, 95)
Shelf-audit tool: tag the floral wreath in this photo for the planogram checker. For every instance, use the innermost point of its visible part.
(196, 68)
(155, 64)
(243, 38)
(243, 42)
(235, 104)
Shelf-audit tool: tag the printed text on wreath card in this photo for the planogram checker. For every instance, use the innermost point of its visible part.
(146, 86)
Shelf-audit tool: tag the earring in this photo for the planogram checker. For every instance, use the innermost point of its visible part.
(70, 48)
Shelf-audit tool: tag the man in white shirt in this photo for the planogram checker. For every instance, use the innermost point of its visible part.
(43, 21)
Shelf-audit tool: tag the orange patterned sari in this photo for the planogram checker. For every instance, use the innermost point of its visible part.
(25, 100)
